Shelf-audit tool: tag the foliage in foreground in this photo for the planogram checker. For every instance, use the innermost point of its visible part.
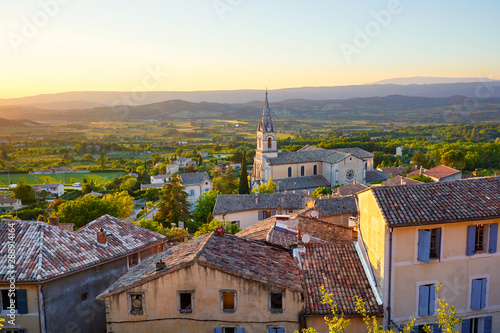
(209, 227)
(337, 323)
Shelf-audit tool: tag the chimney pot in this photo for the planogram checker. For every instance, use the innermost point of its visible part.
(101, 237)
(160, 265)
(256, 198)
(219, 231)
(53, 220)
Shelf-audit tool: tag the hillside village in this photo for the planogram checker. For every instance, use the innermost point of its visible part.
(305, 221)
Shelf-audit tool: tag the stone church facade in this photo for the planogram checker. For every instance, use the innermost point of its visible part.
(308, 167)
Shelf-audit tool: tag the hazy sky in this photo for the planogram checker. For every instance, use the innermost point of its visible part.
(120, 45)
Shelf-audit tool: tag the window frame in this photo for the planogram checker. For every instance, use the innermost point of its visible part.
(488, 239)
(270, 301)
(18, 310)
(302, 171)
(315, 169)
(129, 258)
(290, 172)
(428, 309)
(424, 249)
(484, 292)
(221, 293)
(179, 301)
(129, 303)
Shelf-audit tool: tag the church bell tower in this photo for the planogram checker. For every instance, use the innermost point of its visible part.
(267, 142)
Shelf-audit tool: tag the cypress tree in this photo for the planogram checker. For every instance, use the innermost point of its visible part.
(243, 187)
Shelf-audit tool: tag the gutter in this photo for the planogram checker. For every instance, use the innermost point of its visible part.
(390, 280)
(41, 309)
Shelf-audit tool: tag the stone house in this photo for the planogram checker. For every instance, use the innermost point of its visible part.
(59, 273)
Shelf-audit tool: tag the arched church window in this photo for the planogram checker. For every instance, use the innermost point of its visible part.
(289, 171)
(258, 142)
(315, 170)
(302, 171)
(269, 143)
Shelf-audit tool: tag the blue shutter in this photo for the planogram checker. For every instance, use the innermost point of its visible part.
(280, 330)
(471, 240)
(432, 297)
(22, 301)
(218, 330)
(436, 328)
(438, 242)
(261, 215)
(466, 326)
(240, 330)
(423, 300)
(424, 245)
(493, 238)
(487, 324)
(414, 329)
(475, 302)
(484, 283)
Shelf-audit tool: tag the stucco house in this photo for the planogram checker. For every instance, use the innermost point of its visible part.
(195, 184)
(310, 167)
(415, 236)
(59, 273)
(160, 179)
(184, 161)
(336, 209)
(6, 204)
(56, 190)
(213, 283)
(441, 173)
(248, 209)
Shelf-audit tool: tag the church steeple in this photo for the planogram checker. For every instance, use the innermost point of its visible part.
(266, 124)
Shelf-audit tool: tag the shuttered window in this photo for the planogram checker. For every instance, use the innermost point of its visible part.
(426, 298)
(478, 294)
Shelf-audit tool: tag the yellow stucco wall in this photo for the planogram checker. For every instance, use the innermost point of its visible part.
(161, 314)
(454, 269)
(357, 325)
(30, 321)
(373, 231)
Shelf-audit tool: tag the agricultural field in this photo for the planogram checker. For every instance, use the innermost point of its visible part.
(65, 178)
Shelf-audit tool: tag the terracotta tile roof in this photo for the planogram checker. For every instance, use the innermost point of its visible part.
(338, 268)
(349, 189)
(337, 205)
(462, 200)
(230, 203)
(45, 251)
(441, 171)
(394, 171)
(233, 255)
(258, 231)
(301, 183)
(399, 180)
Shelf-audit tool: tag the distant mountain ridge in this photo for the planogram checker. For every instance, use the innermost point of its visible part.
(432, 80)
(89, 99)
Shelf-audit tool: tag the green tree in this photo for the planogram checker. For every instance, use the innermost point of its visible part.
(102, 160)
(243, 186)
(175, 234)
(269, 187)
(174, 206)
(226, 183)
(24, 192)
(151, 225)
(212, 225)
(322, 190)
(84, 210)
(123, 202)
(204, 207)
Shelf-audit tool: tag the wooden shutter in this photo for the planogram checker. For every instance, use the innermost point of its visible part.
(493, 238)
(471, 240)
(436, 328)
(475, 302)
(432, 298)
(218, 330)
(484, 283)
(240, 330)
(423, 300)
(424, 245)
(22, 301)
(487, 324)
(466, 326)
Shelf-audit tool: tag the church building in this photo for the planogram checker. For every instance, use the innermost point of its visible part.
(307, 168)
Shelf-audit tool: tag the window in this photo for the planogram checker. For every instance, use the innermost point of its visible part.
(206, 190)
(315, 170)
(429, 244)
(478, 294)
(229, 330)
(136, 303)
(276, 302)
(477, 325)
(269, 143)
(133, 259)
(228, 300)
(289, 171)
(482, 238)
(192, 193)
(185, 301)
(20, 299)
(426, 297)
(276, 330)
(84, 297)
(264, 214)
(302, 170)
(421, 328)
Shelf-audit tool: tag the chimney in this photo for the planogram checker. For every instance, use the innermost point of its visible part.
(102, 239)
(219, 231)
(403, 181)
(256, 198)
(300, 243)
(354, 182)
(160, 265)
(54, 221)
(421, 170)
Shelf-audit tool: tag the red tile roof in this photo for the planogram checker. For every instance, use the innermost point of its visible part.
(462, 200)
(399, 180)
(349, 189)
(45, 252)
(339, 270)
(441, 171)
(394, 171)
(230, 254)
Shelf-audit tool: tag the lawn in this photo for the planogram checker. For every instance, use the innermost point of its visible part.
(98, 177)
